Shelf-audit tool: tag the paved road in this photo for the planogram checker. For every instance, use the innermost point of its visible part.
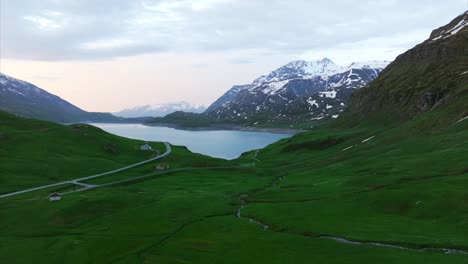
(88, 186)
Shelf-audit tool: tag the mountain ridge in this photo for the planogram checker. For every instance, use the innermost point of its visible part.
(25, 99)
(303, 68)
(431, 74)
(158, 110)
(294, 94)
(285, 91)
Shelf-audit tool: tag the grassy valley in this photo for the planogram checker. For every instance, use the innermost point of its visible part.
(403, 186)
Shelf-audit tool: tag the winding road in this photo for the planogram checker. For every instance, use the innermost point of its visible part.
(90, 186)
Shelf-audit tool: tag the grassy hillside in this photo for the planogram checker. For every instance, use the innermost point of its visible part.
(405, 186)
(36, 153)
(431, 75)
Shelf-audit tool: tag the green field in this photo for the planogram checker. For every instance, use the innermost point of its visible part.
(405, 186)
(34, 152)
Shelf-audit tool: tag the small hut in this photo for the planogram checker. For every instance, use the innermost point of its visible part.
(145, 146)
(162, 166)
(55, 197)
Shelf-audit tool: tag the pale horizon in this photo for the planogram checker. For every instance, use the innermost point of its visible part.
(153, 52)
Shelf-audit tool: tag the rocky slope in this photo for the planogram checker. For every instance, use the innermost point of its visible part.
(299, 89)
(228, 96)
(27, 100)
(425, 77)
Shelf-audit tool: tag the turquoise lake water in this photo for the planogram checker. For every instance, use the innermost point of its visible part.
(227, 144)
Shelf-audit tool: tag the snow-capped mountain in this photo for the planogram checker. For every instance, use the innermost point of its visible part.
(450, 29)
(160, 109)
(318, 89)
(27, 100)
(10, 85)
(228, 96)
(298, 70)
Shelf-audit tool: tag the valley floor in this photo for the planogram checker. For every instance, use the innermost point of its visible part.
(363, 195)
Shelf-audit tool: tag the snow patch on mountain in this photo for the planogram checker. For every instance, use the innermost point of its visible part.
(375, 64)
(325, 68)
(298, 69)
(312, 102)
(451, 29)
(273, 87)
(318, 88)
(27, 100)
(328, 94)
(15, 86)
(4, 79)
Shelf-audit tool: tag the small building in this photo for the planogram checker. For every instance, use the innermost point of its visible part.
(145, 146)
(163, 166)
(55, 197)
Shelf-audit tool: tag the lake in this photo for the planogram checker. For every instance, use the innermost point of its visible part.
(226, 144)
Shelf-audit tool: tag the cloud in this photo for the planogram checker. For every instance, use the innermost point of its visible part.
(240, 61)
(88, 29)
(48, 20)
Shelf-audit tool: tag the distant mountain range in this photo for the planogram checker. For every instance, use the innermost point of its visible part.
(296, 92)
(160, 109)
(27, 100)
(300, 89)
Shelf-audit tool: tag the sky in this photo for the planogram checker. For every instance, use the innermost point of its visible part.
(107, 55)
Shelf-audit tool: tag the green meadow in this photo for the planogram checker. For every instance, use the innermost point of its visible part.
(396, 183)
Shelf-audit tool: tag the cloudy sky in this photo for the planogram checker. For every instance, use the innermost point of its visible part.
(105, 55)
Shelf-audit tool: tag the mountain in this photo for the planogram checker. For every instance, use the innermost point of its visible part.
(160, 109)
(298, 70)
(228, 96)
(426, 77)
(180, 119)
(27, 100)
(299, 89)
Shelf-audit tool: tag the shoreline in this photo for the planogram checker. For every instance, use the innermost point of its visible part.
(229, 127)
